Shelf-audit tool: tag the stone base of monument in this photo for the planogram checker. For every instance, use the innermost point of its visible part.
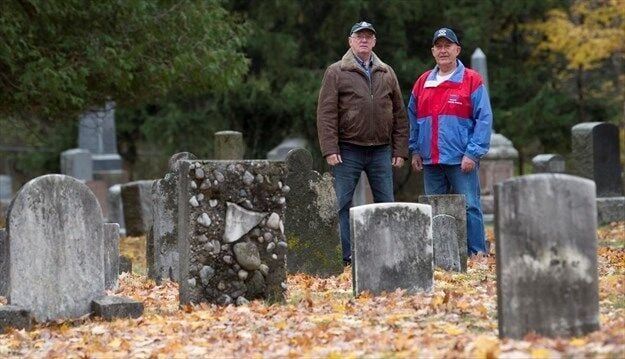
(13, 316)
(110, 307)
(610, 209)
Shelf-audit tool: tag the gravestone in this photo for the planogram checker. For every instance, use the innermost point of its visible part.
(96, 133)
(137, 207)
(56, 252)
(547, 279)
(100, 190)
(548, 163)
(280, 152)
(4, 263)
(115, 207)
(453, 205)
(496, 166)
(391, 247)
(595, 148)
(6, 194)
(479, 64)
(77, 163)
(311, 225)
(6, 187)
(229, 145)
(225, 208)
(111, 254)
(162, 246)
(445, 242)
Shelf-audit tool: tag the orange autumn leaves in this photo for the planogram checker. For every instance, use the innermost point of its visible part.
(321, 318)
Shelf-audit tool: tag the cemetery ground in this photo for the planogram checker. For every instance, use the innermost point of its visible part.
(321, 318)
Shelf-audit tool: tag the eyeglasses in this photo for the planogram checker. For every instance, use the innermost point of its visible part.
(363, 36)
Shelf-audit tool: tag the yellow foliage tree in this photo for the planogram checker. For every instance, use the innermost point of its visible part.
(589, 35)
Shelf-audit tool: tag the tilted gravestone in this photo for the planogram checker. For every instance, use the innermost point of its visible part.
(455, 206)
(231, 241)
(548, 163)
(391, 247)
(56, 252)
(445, 242)
(547, 279)
(229, 145)
(162, 246)
(595, 148)
(137, 207)
(311, 225)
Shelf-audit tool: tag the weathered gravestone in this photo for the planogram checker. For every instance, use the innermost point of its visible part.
(548, 163)
(4, 263)
(137, 207)
(162, 245)
(496, 166)
(453, 205)
(116, 209)
(77, 163)
(445, 242)
(595, 148)
(56, 252)
(311, 225)
(545, 230)
(231, 239)
(391, 247)
(110, 236)
(96, 133)
(229, 145)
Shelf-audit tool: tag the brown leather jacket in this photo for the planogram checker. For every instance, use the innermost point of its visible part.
(350, 109)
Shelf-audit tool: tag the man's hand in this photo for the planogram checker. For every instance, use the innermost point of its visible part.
(334, 159)
(398, 162)
(417, 163)
(467, 164)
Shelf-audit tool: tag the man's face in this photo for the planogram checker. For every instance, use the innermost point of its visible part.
(362, 43)
(445, 52)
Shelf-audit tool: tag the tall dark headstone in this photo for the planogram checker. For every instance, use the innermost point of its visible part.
(137, 207)
(391, 247)
(547, 281)
(96, 133)
(595, 148)
(311, 225)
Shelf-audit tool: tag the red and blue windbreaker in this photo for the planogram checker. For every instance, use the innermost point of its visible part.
(450, 119)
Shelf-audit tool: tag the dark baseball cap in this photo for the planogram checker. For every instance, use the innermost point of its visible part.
(446, 33)
(363, 25)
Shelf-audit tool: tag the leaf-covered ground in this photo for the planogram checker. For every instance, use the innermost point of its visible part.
(321, 318)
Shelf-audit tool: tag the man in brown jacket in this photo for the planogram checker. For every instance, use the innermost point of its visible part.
(361, 123)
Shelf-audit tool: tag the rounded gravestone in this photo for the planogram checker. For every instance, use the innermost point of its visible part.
(56, 249)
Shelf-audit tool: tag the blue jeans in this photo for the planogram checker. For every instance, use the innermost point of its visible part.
(376, 162)
(440, 179)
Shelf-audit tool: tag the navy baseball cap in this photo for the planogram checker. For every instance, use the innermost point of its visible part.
(363, 25)
(446, 33)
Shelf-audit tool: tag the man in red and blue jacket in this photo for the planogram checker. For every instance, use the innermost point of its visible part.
(450, 127)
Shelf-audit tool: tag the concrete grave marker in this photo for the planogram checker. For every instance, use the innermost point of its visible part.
(231, 241)
(229, 145)
(76, 162)
(391, 247)
(547, 281)
(548, 163)
(311, 225)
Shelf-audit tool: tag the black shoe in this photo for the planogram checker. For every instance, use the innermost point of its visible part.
(347, 262)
